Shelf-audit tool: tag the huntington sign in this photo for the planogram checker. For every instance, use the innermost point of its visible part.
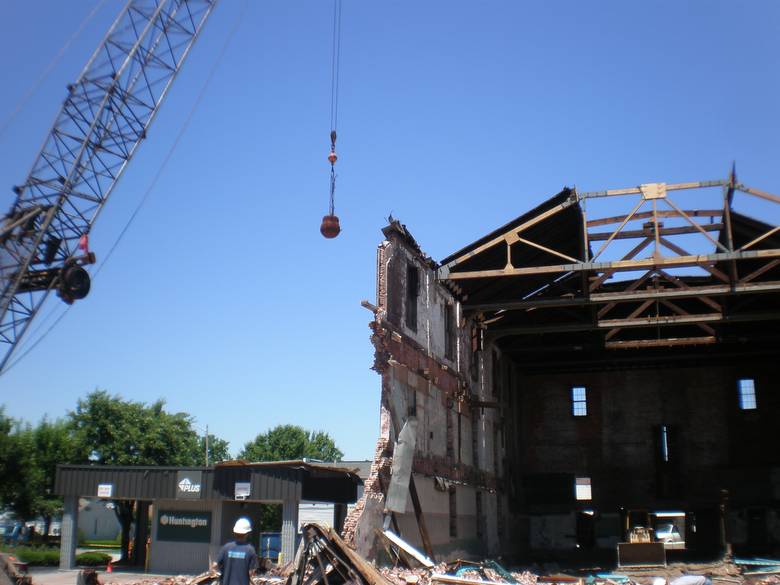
(180, 526)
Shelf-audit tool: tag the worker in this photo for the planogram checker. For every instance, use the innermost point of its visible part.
(237, 560)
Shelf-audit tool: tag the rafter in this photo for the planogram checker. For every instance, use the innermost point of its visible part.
(619, 265)
(629, 295)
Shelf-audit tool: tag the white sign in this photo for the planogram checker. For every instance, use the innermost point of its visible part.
(187, 486)
(242, 490)
(105, 490)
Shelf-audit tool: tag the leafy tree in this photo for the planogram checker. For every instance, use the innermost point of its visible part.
(54, 443)
(114, 431)
(28, 460)
(284, 443)
(287, 442)
(6, 450)
(218, 449)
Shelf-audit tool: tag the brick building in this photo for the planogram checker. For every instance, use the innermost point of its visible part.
(583, 371)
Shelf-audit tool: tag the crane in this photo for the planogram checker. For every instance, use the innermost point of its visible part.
(106, 114)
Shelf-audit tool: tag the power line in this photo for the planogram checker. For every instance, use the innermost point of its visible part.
(49, 68)
(152, 184)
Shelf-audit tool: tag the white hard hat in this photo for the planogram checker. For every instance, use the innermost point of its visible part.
(242, 526)
(659, 581)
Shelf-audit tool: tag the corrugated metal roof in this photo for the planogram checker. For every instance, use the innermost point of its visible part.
(271, 481)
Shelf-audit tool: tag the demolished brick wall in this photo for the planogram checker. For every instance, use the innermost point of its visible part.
(456, 465)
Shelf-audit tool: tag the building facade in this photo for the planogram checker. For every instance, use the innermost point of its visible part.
(583, 375)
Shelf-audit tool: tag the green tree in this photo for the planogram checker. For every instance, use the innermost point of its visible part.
(289, 442)
(218, 449)
(54, 443)
(114, 431)
(285, 443)
(6, 453)
(28, 463)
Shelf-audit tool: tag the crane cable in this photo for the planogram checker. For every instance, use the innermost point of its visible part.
(49, 68)
(334, 99)
(149, 189)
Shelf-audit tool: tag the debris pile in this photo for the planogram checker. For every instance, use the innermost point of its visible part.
(323, 558)
(207, 578)
(13, 570)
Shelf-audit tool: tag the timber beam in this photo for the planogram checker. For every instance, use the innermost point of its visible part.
(625, 296)
(651, 321)
(617, 265)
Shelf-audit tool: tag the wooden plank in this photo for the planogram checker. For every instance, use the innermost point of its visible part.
(672, 231)
(639, 204)
(636, 323)
(546, 249)
(702, 297)
(659, 320)
(634, 190)
(634, 313)
(758, 193)
(631, 254)
(680, 311)
(629, 296)
(774, 230)
(760, 271)
(420, 518)
(510, 235)
(661, 213)
(632, 287)
(696, 225)
(670, 342)
(408, 549)
(620, 265)
(442, 578)
(682, 252)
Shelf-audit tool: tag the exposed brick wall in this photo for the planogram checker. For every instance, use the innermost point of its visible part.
(422, 376)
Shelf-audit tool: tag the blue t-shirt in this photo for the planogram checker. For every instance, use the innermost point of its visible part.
(235, 561)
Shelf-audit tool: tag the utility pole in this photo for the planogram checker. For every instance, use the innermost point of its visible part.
(207, 445)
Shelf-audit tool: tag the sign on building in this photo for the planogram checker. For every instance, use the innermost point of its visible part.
(243, 490)
(178, 526)
(105, 490)
(189, 485)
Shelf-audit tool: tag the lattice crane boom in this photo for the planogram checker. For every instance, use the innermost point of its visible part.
(102, 122)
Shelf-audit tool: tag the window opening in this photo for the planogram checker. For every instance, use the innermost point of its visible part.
(412, 292)
(582, 489)
(747, 394)
(453, 514)
(449, 332)
(480, 518)
(664, 443)
(579, 401)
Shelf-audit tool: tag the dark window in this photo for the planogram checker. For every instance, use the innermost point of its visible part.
(480, 517)
(747, 394)
(412, 292)
(495, 373)
(394, 289)
(453, 514)
(476, 346)
(579, 401)
(449, 332)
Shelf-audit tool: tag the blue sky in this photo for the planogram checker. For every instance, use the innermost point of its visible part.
(224, 299)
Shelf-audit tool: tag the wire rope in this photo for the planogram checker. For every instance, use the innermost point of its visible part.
(49, 68)
(334, 100)
(152, 184)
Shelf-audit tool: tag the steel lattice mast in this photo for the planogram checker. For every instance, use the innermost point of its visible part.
(104, 118)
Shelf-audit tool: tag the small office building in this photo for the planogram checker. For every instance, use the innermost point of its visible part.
(193, 509)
